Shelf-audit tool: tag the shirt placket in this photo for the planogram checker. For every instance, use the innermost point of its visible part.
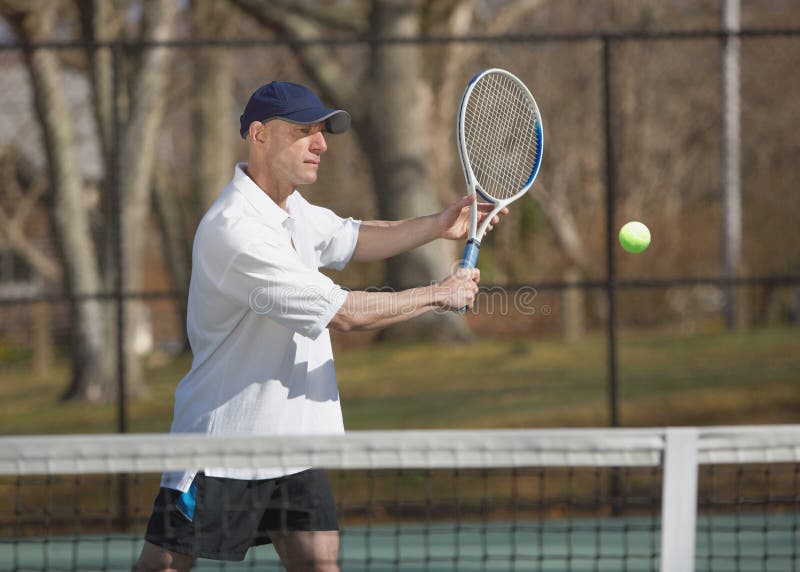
(290, 224)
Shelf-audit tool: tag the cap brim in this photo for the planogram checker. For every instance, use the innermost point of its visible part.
(336, 120)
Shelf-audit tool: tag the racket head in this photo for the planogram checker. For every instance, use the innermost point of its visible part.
(500, 136)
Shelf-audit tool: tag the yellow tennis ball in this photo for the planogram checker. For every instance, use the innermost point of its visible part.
(634, 237)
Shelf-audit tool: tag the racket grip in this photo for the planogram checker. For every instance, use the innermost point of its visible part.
(470, 259)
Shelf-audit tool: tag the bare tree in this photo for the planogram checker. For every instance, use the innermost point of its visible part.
(101, 22)
(24, 188)
(140, 113)
(213, 73)
(136, 158)
(399, 137)
(212, 148)
(34, 22)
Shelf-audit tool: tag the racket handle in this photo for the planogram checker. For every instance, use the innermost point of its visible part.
(470, 259)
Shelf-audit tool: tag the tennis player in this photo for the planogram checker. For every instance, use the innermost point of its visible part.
(259, 315)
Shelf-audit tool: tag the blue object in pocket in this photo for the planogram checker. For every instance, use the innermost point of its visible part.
(187, 501)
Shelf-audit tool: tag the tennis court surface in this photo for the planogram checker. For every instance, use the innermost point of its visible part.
(724, 498)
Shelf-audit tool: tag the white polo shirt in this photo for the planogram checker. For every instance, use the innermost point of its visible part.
(257, 321)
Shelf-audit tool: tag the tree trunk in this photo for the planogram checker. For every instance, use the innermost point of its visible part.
(137, 156)
(177, 249)
(101, 22)
(398, 133)
(91, 375)
(213, 81)
(43, 358)
(573, 307)
(554, 203)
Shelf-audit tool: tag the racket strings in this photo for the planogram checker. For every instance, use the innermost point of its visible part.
(505, 137)
(500, 135)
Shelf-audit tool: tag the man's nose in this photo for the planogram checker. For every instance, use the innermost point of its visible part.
(318, 143)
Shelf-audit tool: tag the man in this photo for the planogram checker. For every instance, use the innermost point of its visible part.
(258, 318)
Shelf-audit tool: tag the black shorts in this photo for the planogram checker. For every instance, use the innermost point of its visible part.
(221, 518)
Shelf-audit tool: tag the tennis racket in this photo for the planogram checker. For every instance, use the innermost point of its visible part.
(500, 144)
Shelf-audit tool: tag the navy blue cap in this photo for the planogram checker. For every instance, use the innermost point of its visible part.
(291, 102)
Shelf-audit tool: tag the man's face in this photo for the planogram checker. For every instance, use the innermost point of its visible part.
(294, 151)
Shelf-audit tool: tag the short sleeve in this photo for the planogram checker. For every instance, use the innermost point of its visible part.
(272, 281)
(334, 237)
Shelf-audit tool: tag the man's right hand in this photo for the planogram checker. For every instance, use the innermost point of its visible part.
(458, 290)
(372, 310)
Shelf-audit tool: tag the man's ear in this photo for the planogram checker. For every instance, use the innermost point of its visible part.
(258, 132)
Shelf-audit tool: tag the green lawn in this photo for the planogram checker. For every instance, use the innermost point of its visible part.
(665, 379)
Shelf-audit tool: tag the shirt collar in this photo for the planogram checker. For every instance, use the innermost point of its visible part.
(260, 200)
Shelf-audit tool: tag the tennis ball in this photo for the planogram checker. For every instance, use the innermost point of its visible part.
(634, 237)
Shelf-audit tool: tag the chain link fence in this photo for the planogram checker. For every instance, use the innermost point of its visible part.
(634, 125)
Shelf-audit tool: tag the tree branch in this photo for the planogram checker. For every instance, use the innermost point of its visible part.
(101, 21)
(554, 203)
(11, 227)
(328, 16)
(318, 62)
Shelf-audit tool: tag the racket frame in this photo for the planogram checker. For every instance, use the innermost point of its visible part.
(470, 256)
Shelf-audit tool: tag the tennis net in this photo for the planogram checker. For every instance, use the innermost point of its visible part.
(725, 498)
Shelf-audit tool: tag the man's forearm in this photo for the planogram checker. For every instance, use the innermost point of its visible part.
(373, 310)
(379, 239)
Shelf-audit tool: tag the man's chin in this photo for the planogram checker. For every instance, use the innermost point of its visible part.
(306, 181)
(309, 177)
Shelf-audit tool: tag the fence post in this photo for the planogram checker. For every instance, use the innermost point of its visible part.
(731, 163)
(679, 500)
(117, 201)
(611, 278)
(119, 251)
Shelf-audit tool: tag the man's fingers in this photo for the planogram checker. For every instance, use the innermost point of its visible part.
(495, 220)
(462, 287)
(488, 207)
(484, 212)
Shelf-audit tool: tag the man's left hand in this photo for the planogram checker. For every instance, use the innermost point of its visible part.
(454, 220)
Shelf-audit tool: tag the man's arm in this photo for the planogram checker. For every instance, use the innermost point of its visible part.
(380, 239)
(373, 310)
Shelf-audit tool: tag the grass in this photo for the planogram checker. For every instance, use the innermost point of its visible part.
(664, 379)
